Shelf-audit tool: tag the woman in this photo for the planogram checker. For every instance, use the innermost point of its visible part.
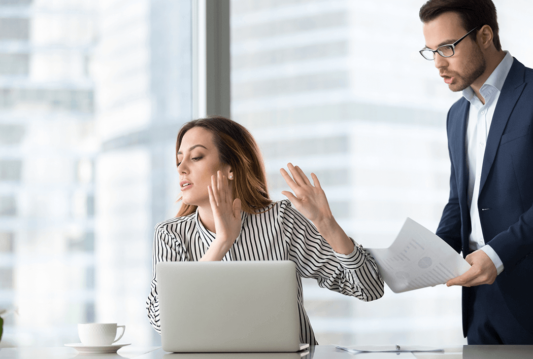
(226, 214)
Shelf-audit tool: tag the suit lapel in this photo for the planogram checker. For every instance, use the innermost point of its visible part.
(511, 91)
(459, 142)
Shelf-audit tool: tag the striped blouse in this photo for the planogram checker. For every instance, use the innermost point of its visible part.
(282, 233)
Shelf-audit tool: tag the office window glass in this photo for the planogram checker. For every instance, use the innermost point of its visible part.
(6, 242)
(11, 134)
(8, 206)
(339, 88)
(10, 170)
(14, 64)
(92, 95)
(14, 29)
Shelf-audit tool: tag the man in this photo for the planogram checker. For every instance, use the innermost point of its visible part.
(489, 215)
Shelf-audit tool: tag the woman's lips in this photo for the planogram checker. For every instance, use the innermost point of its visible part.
(184, 188)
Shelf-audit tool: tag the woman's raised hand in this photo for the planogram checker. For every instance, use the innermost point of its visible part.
(226, 211)
(310, 200)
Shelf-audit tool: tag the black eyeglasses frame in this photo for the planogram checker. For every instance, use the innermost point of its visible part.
(452, 46)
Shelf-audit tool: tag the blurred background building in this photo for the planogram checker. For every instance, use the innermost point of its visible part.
(143, 80)
(47, 152)
(93, 93)
(343, 96)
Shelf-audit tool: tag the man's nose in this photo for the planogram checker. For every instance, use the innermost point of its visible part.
(440, 62)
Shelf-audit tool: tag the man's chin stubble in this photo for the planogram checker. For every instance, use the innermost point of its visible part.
(475, 72)
(457, 87)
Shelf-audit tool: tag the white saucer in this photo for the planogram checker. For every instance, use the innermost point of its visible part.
(96, 349)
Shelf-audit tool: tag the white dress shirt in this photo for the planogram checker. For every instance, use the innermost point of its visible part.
(281, 233)
(479, 121)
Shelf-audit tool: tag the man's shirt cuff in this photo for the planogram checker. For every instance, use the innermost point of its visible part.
(494, 257)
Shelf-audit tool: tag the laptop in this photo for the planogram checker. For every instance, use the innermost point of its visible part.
(207, 307)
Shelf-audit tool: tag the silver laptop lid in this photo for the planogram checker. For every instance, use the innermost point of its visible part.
(299, 355)
(228, 306)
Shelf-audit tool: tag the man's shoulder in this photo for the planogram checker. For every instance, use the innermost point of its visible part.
(519, 72)
(528, 74)
(457, 106)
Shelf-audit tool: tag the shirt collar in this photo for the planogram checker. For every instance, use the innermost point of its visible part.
(207, 236)
(495, 80)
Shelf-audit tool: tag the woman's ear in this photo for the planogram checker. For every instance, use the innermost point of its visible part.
(229, 172)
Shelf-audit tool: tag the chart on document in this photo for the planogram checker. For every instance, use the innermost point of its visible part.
(417, 259)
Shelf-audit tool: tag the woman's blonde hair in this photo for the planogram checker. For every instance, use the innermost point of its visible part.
(238, 149)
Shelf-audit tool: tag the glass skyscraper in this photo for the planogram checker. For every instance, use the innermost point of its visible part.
(47, 153)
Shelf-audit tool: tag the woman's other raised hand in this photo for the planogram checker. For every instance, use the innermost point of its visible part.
(310, 200)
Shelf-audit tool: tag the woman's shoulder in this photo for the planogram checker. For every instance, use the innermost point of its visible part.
(284, 204)
(285, 211)
(276, 209)
(175, 224)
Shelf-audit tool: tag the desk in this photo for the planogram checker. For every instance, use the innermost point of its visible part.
(318, 352)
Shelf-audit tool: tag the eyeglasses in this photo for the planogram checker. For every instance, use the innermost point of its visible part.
(444, 50)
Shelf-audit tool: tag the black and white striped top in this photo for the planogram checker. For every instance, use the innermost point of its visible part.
(282, 233)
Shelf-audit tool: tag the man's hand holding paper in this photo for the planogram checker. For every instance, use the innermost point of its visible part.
(482, 271)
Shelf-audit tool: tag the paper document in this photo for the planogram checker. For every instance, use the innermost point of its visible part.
(382, 355)
(388, 349)
(417, 259)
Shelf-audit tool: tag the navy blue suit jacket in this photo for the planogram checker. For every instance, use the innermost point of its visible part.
(506, 192)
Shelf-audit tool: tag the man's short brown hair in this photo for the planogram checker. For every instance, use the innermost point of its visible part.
(473, 13)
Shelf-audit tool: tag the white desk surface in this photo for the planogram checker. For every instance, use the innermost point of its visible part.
(318, 352)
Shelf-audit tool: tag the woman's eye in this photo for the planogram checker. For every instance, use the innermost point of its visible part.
(194, 159)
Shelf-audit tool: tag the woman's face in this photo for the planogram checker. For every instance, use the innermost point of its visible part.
(198, 160)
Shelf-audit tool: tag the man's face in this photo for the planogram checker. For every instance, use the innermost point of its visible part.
(468, 62)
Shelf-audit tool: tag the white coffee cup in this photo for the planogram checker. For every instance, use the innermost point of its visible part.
(99, 333)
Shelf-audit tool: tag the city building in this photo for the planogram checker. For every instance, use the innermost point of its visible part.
(47, 152)
(322, 86)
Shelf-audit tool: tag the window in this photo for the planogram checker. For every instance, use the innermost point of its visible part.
(82, 243)
(8, 206)
(6, 242)
(6, 278)
(10, 170)
(14, 64)
(14, 29)
(306, 83)
(11, 134)
(76, 100)
(92, 96)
